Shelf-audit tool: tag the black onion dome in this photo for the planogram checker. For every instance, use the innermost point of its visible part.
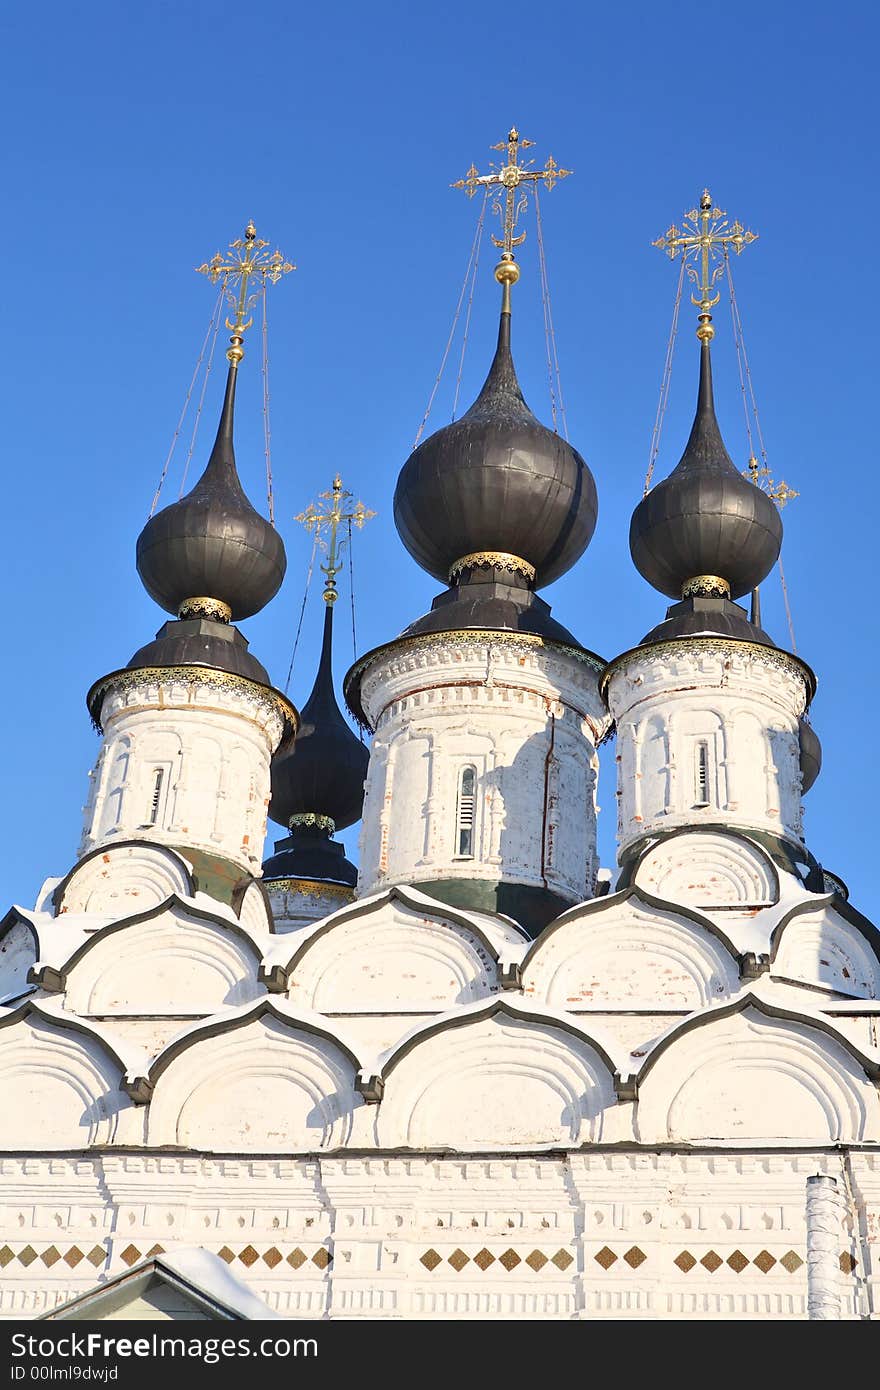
(810, 755)
(323, 773)
(705, 519)
(496, 480)
(213, 543)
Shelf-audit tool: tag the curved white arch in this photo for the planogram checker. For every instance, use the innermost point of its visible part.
(124, 878)
(499, 1078)
(708, 869)
(830, 947)
(748, 1077)
(263, 1086)
(626, 950)
(60, 1087)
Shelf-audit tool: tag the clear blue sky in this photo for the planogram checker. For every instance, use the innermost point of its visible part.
(139, 139)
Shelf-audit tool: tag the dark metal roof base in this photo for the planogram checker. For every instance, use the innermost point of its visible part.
(707, 617)
(308, 852)
(201, 642)
(489, 598)
(531, 907)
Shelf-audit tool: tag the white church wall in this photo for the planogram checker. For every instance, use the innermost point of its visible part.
(709, 869)
(601, 1233)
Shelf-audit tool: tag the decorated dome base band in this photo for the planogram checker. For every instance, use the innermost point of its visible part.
(705, 586)
(212, 608)
(492, 559)
(312, 820)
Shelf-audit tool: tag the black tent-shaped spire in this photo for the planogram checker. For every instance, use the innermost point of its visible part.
(317, 785)
(322, 775)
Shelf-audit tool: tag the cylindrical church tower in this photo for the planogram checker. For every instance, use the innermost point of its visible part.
(486, 712)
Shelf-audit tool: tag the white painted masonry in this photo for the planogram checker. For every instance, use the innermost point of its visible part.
(527, 716)
(707, 731)
(184, 761)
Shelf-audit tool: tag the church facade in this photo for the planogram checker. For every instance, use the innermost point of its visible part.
(470, 1078)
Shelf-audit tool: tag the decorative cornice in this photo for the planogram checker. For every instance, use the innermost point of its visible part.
(492, 559)
(484, 636)
(318, 887)
(129, 679)
(202, 607)
(698, 646)
(705, 586)
(311, 818)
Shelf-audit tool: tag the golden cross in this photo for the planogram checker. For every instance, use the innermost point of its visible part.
(512, 177)
(780, 492)
(704, 238)
(248, 257)
(329, 518)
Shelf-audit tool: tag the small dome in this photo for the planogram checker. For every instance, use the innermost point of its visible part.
(322, 774)
(496, 481)
(212, 544)
(811, 755)
(705, 522)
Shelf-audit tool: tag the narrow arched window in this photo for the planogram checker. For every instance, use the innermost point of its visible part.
(156, 794)
(464, 819)
(701, 773)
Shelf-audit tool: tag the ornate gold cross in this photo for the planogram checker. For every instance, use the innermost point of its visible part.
(512, 177)
(329, 518)
(703, 240)
(248, 258)
(780, 492)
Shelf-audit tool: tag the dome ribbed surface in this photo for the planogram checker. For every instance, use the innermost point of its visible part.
(705, 518)
(496, 480)
(213, 543)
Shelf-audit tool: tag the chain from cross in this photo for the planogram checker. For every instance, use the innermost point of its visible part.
(329, 518)
(780, 492)
(248, 259)
(704, 238)
(511, 177)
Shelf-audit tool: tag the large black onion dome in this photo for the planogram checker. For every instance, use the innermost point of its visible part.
(213, 544)
(496, 480)
(323, 773)
(810, 755)
(705, 521)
